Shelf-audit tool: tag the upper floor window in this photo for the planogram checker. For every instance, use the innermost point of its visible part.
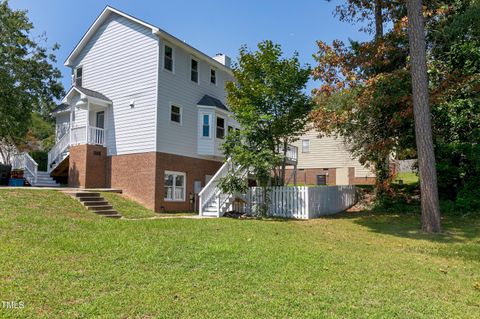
(220, 127)
(305, 146)
(78, 76)
(206, 125)
(168, 58)
(176, 114)
(194, 71)
(213, 76)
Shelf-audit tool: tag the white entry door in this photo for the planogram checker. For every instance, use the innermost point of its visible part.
(341, 176)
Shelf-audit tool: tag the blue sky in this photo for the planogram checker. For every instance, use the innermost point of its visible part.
(210, 26)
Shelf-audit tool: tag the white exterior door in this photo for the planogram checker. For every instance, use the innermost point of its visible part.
(341, 176)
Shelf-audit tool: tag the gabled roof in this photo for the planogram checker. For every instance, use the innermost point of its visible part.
(155, 30)
(208, 100)
(84, 92)
(60, 108)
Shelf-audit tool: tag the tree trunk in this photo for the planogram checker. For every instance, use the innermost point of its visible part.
(284, 162)
(378, 20)
(421, 112)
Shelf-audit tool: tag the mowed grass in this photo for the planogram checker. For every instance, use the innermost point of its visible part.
(62, 261)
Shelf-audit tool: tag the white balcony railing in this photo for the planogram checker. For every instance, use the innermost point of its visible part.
(291, 154)
(78, 135)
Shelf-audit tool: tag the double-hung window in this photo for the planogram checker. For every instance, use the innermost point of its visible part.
(206, 125)
(194, 71)
(168, 58)
(176, 114)
(213, 76)
(305, 146)
(220, 127)
(78, 76)
(174, 187)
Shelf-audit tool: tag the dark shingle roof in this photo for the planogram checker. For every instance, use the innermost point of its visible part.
(92, 93)
(208, 100)
(60, 108)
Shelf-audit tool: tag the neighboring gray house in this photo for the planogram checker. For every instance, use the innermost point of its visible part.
(146, 113)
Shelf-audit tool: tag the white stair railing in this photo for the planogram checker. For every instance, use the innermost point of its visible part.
(26, 163)
(209, 192)
(56, 153)
(212, 196)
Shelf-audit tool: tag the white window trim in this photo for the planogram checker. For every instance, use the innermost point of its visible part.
(209, 137)
(170, 114)
(210, 76)
(308, 148)
(75, 74)
(184, 185)
(192, 58)
(224, 128)
(173, 58)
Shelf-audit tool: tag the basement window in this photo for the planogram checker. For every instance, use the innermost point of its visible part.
(174, 187)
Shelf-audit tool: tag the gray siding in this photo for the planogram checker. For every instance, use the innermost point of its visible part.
(177, 88)
(120, 61)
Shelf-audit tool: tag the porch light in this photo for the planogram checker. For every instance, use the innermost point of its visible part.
(132, 103)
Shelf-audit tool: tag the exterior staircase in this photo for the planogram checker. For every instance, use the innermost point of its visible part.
(95, 203)
(44, 180)
(213, 202)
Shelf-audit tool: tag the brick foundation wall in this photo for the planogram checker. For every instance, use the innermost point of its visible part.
(141, 177)
(195, 170)
(87, 166)
(135, 175)
(308, 176)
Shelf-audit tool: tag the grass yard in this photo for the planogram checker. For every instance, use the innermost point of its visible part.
(63, 262)
(407, 178)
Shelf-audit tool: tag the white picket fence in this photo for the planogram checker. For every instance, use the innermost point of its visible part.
(301, 202)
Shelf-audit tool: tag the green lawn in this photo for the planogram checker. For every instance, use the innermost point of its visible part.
(62, 261)
(408, 178)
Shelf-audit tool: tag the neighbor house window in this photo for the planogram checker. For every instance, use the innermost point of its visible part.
(322, 179)
(168, 59)
(78, 76)
(206, 126)
(213, 76)
(176, 114)
(220, 127)
(305, 146)
(174, 186)
(194, 71)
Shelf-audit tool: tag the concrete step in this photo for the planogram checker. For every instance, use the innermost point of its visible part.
(100, 202)
(86, 194)
(109, 212)
(90, 199)
(46, 185)
(99, 207)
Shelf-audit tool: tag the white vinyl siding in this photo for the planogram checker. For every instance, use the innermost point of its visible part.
(186, 140)
(121, 62)
(328, 152)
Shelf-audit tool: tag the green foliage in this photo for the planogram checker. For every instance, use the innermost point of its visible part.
(28, 80)
(269, 103)
(41, 157)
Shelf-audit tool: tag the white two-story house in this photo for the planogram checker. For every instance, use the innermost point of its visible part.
(146, 113)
